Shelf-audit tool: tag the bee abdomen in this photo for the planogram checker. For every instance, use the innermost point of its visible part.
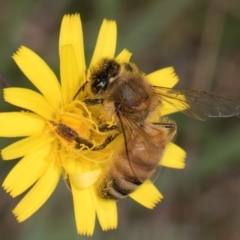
(118, 188)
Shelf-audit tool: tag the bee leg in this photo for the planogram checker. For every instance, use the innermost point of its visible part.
(93, 101)
(107, 128)
(108, 140)
(166, 125)
(171, 127)
(81, 141)
(80, 90)
(70, 135)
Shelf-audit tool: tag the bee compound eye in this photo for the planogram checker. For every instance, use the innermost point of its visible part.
(112, 68)
(99, 85)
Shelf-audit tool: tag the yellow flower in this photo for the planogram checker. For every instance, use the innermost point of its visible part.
(60, 132)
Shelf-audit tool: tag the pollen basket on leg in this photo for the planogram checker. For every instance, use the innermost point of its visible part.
(78, 134)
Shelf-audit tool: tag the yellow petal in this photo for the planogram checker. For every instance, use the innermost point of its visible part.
(106, 211)
(70, 81)
(174, 157)
(18, 124)
(175, 105)
(165, 77)
(147, 195)
(29, 100)
(26, 146)
(27, 171)
(80, 174)
(39, 193)
(38, 72)
(167, 109)
(71, 34)
(84, 210)
(124, 56)
(84, 179)
(106, 42)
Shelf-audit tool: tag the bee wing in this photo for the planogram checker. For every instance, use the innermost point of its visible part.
(198, 104)
(142, 153)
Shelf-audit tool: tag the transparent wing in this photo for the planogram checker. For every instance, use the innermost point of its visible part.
(199, 104)
(142, 152)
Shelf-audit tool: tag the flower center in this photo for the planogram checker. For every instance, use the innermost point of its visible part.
(78, 134)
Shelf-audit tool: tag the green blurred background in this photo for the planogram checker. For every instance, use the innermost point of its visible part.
(201, 39)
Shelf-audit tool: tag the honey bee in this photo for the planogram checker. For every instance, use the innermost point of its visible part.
(129, 169)
(123, 91)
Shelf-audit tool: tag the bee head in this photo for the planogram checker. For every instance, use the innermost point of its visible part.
(102, 76)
